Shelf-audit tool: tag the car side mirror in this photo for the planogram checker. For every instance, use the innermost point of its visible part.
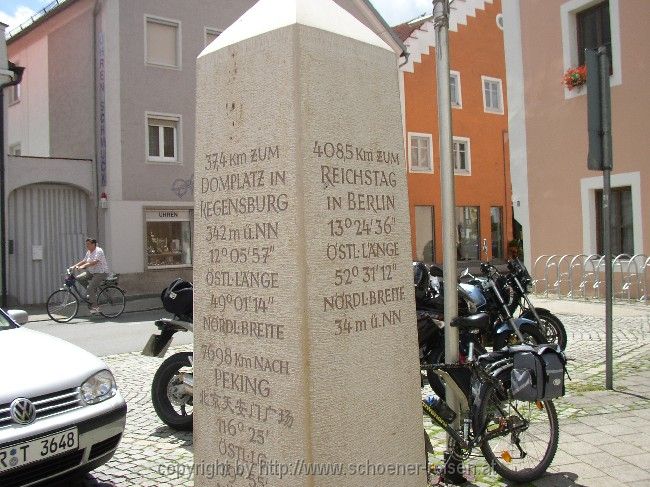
(19, 316)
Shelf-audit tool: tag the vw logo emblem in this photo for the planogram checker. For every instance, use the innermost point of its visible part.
(22, 411)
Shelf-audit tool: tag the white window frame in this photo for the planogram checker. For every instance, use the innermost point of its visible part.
(468, 170)
(459, 91)
(210, 30)
(486, 109)
(499, 21)
(179, 37)
(14, 94)
(418, 169)
(178, 140)
(568, 12)
(588, 187)
(13, 147)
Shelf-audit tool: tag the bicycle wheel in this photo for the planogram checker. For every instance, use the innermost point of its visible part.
(525, 449)
(110, 302)
(62, 305)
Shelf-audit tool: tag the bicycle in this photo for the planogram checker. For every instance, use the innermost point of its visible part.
(518, 438)
(63, 304)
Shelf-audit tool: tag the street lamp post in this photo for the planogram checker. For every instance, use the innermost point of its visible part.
(453, 460)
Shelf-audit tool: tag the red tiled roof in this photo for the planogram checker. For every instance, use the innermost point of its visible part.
(405, 30)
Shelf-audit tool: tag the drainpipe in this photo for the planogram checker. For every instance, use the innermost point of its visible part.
(96, 10)
(17, 77)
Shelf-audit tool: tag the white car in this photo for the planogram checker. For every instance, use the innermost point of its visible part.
(60, 410)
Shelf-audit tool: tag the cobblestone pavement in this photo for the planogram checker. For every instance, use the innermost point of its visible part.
(603, 434)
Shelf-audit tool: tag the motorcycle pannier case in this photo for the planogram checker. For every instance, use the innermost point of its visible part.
(538, 374)
(177, 298)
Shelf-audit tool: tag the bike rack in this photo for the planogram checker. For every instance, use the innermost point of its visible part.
(577, 261)
(633, 278)
(550, 263)
(535, 273)
(562, 277)
(644, 297)
(619, 260)
(591, 279)
(598, 281)
(581, 275)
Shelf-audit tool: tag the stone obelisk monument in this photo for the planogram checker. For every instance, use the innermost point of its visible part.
(305, 352)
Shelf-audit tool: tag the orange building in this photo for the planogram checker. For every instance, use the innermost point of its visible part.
(479, 127)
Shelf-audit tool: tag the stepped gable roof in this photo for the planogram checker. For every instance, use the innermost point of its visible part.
(405, 30)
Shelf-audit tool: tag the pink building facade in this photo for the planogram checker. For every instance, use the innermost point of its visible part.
(555, 197)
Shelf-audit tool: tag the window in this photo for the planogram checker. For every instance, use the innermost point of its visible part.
(492, 95)
(162, 42)
(592, 29)
(169, 238)
(455, 91)
(499, 20)
(162, 138)
(13, 94)
(421, 152)
(589, 23)
(591, 200)
(622, 222)
(424, 234)
(467, 225)
(496, 222)
(461, 156)
(15, 150)
(211, 35)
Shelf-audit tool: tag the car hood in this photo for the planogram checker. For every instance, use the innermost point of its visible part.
(33, 363)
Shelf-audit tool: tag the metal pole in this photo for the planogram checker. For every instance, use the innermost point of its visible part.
(607, 244)
(3, 237)
(441, 22)
(607, 220)
(18, 76)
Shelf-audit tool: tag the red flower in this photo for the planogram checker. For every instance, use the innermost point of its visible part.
(575, 77)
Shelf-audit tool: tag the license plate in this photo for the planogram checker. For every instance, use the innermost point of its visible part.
(39, 449)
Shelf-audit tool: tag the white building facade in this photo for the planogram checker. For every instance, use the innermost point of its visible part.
(101, 137)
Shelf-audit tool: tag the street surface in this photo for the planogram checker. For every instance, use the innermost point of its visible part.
(127, 333)
(603, 434)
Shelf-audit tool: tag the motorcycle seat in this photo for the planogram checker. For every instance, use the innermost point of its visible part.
(478, 321)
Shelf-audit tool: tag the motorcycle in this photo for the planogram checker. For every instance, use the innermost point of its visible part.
(173, 382)
(521, 284)
(486, 295)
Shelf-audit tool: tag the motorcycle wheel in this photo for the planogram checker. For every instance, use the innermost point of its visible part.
(173, 406)
(555, 331)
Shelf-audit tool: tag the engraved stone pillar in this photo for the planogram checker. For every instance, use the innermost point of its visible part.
(305, 356)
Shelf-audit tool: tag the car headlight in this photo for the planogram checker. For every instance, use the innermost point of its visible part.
(98, 388)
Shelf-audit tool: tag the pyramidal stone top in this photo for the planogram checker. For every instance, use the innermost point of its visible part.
(268, 15)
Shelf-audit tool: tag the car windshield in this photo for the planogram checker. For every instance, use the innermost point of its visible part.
(5, 323)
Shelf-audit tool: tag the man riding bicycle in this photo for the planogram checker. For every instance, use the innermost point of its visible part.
(95, 264)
